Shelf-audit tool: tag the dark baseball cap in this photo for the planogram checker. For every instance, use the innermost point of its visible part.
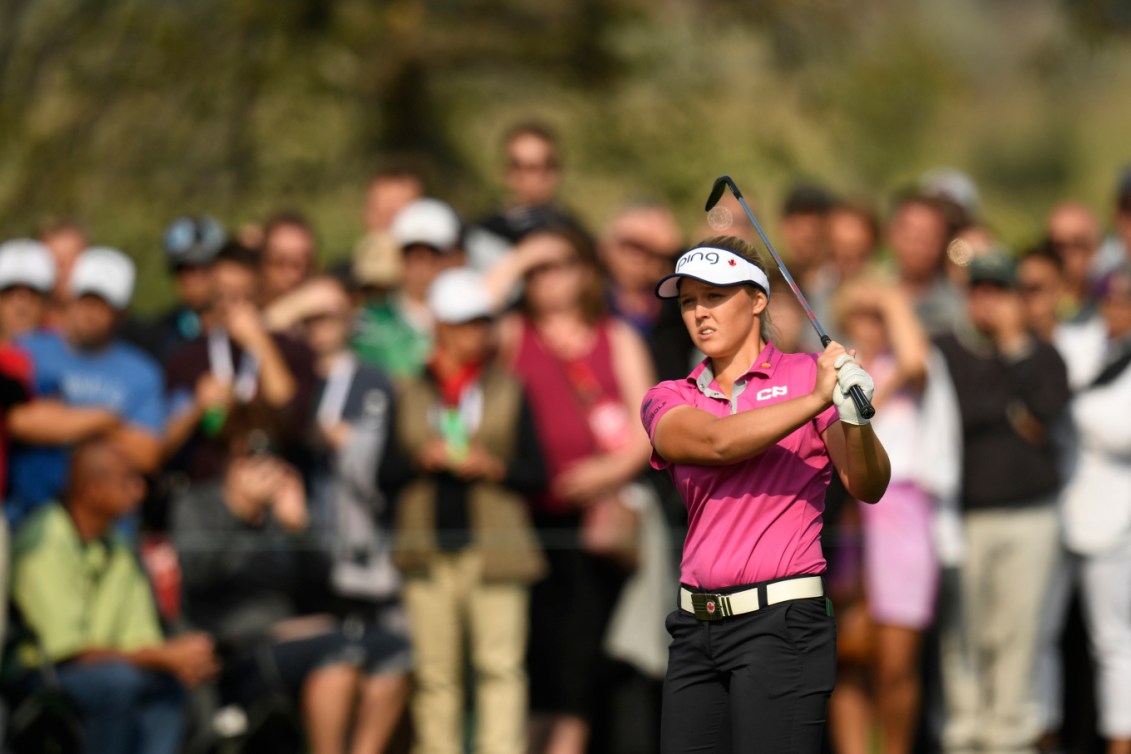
(192, 241)
(994, 267)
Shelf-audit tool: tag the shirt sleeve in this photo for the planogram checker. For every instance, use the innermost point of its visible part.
(657, 402)
(825, 419)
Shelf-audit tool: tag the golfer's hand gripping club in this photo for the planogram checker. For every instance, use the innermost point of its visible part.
(863, 406)
(851, 376)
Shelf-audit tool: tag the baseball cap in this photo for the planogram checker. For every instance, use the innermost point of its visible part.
(28, 263)
(430, 222)
(192, 240)
(952, 184)
(993, 267)
(106, 273)
(714, 266)
(459, 295)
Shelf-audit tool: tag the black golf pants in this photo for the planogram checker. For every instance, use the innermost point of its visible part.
(754, 683)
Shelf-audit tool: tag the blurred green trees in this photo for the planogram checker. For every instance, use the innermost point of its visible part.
(126, 113)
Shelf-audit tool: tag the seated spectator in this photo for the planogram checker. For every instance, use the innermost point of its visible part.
(190, 244)
(236, 361)
(88, 384)
(27, 278)
(255, 580)
(80, 590)
(465, 452)
(395, 333)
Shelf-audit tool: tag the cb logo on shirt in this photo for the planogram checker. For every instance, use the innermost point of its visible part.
(771, 392)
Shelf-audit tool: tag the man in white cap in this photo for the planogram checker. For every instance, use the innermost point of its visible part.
(89, 384)
(395, 334)
(463, 455)
(27, 279)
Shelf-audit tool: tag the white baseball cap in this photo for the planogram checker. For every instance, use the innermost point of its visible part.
(952, 184)
(106, 273)
(715, 267)
(24, 262)
(459, 295)
(430, 222)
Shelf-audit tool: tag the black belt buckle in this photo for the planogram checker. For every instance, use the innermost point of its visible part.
(710, 606)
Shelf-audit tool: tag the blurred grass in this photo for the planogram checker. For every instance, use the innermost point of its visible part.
(126, 113)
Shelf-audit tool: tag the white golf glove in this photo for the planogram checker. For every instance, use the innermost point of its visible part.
(849, 373)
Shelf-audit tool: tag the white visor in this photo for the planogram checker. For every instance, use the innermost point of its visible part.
(715, 267)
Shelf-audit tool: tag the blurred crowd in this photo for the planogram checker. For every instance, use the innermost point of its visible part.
(402, 502)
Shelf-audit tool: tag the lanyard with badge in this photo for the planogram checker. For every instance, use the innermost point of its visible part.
(245, 382)
(337, 390)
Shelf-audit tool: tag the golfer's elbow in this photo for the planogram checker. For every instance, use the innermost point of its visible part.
(870, 486)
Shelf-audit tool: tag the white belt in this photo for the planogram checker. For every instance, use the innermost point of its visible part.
(708, 606)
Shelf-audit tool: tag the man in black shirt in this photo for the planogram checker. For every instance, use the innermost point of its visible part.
(1011, 388)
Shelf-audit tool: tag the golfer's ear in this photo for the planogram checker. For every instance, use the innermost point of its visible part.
(760, 300)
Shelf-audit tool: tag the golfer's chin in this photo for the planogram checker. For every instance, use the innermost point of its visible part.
(714, 345)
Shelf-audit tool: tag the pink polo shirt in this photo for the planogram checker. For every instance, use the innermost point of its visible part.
(758, 519)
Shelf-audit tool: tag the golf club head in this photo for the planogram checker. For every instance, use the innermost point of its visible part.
(721, 184)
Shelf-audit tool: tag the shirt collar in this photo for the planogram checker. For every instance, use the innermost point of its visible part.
(765, 364)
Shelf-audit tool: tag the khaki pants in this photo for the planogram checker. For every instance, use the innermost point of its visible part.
(450, 603)
(992, 628)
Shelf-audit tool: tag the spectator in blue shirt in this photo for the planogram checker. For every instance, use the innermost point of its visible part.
(88, 384)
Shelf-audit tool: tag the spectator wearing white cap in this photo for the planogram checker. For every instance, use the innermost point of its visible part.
(395, 333)
(464, 455)
(27, 278)
(89, 384)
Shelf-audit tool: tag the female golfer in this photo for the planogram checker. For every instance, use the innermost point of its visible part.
(748, 438)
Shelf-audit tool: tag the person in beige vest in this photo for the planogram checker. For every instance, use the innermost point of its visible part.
(463, 455)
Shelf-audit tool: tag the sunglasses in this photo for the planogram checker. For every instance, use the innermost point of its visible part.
(518, 166)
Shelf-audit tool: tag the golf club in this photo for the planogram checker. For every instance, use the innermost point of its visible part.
(863, 405)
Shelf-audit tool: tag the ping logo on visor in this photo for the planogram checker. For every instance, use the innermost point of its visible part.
(715, 267)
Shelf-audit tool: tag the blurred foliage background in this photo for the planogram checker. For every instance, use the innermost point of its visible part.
(126, 113)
